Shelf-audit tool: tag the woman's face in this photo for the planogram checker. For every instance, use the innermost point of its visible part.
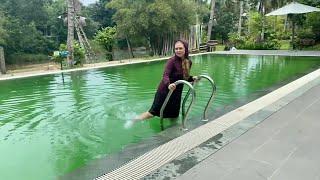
(179, 49)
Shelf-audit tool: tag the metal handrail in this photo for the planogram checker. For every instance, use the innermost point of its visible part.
(214, 89)
(183, 112)
(168, 97)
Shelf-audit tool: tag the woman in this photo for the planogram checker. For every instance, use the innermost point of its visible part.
(177, 68)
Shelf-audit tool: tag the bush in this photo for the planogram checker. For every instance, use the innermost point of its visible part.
(266, 45)
(252, 44)
(283, 35)
(306, 34)
(236, 40)
(24, 58)
(78, 52)
(106, 37)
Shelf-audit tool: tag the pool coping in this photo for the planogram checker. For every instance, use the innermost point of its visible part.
(156, 158)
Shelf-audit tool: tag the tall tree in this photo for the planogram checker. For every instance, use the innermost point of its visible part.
(155, 20)
(27, 21)
(211, 19)
(240, 17)
(3, 33)
(99, 13)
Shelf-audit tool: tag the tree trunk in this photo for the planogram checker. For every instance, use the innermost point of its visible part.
(129, 47)
(210, 24)
(293, 34)
(70, 37)
(240, 19)
(2, 61)
(263, 20)
(285, 24)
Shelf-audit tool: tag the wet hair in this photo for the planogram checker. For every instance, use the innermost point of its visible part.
(185, 44)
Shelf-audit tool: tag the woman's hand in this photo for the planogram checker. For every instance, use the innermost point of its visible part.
(196, 78)
(172, 86)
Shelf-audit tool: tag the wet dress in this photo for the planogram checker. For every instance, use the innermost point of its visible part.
(173, 72)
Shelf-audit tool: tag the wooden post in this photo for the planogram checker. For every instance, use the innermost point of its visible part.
(2, 61)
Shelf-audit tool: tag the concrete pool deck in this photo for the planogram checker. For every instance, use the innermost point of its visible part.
(283, 146)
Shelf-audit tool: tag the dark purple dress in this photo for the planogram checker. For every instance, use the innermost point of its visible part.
(173, 72)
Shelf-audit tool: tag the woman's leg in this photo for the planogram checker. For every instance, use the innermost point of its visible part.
(143, 116)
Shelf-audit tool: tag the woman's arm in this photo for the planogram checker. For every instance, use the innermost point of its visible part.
(167, 71)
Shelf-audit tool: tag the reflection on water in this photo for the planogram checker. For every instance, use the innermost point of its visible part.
(62, 123)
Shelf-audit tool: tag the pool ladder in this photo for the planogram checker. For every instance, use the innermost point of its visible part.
(190, 91)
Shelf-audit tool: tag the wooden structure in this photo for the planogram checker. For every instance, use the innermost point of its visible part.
(209, 46)
(70, 37)
(76, 23)
(2, 61)
(212, 45)
(90, 56)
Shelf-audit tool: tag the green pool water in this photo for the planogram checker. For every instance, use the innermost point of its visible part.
(50, 126)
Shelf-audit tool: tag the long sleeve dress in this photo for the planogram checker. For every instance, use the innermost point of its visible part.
(173, 72)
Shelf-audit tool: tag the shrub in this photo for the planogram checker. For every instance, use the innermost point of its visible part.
(306, 34)
(78, 52)
(24, 58)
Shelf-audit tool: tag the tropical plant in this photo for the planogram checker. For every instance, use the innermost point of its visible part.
(106, 37)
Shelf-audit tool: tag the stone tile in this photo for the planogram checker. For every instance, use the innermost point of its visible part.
(282, 147)
(252, 169)
(273, 152)
(222, 162)
(297, 168)
(206, 171)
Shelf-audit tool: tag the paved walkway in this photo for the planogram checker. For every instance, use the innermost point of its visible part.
(284, 146)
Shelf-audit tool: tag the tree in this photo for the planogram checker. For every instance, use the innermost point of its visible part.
(57, 29)
(27, 23)
(3, 33)
(210, 24)
(100, 14)
(226, 16)
(157, 21)
(106, 37)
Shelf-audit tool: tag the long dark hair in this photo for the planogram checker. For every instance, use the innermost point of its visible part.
(186, 47)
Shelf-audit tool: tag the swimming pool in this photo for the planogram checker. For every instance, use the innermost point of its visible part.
(51, 126)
